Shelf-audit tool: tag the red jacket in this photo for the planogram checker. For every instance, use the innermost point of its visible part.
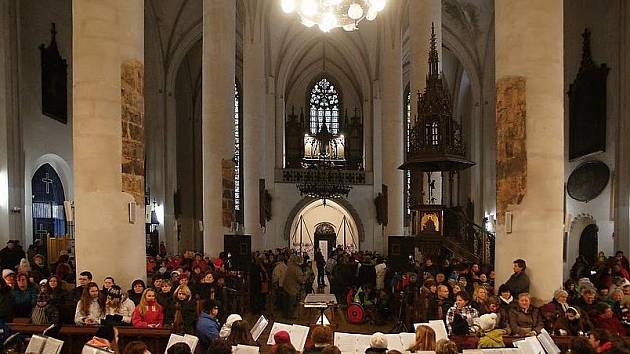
(613, 325)
(153, 316)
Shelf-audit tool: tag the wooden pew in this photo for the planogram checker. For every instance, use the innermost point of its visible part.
(75, 337)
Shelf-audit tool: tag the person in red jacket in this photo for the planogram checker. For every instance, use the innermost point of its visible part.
(606, 319)
(148, 314)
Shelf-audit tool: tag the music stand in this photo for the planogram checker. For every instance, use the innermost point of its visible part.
(321, 302)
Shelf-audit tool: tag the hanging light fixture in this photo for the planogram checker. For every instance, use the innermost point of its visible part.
(330, 14)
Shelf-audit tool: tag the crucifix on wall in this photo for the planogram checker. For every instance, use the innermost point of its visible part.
(48, 182)
(41, 232)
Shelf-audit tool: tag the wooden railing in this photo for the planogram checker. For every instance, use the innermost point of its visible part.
(472, 239)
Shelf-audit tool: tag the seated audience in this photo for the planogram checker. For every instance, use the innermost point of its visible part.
(136, 347)
(227, 326)
(281, 338)
(208, 325)
(24, 296)
(91, 308)
(106, 338)
(240, 334)
(179, 348)
(118, 308)
(148, 314)
(571, 324)
(525, 319)
(378, 344)
(322, 337)
(184, 311)
(135, 293)
(445, 346)
(606, 319)
(587, 301)
(425, 339)
(44, 312)
(600, 340)
(461, 316)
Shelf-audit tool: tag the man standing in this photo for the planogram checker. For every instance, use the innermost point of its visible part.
(519, 281)
(321, 265)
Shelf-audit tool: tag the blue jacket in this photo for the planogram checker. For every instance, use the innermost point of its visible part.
(207, 329)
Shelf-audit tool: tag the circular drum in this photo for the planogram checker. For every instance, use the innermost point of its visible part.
(355, 313)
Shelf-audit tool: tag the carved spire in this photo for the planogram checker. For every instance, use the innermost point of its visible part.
(433, 54)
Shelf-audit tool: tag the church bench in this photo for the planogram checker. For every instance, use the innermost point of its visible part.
(74, 337)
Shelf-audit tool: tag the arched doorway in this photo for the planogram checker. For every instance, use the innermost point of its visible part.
(47, 204)
(588, 243)
(331, 222)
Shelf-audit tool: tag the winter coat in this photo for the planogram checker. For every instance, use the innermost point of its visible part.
(613, 325)
(207, 330)
(23, 301)
(518, 283)
(154, 315)
(492, 339)
(293, 279)
(522, 322)
(572, 328)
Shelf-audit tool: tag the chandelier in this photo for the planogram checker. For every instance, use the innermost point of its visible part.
(322, 179)
(330, 14)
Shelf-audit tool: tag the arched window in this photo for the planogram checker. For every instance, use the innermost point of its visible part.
(238, 157)
(47, 210)
(324, 106)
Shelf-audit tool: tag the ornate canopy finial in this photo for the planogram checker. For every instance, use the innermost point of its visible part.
(433, 54)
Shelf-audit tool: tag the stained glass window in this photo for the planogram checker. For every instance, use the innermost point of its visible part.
(324, 105)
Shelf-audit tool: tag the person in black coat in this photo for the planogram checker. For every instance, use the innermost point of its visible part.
(6, 302)
(518, 281)
(182, 312)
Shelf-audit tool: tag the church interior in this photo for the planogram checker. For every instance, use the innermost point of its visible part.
(481, 130)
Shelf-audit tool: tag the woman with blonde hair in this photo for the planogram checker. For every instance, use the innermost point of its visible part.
(148, 314)
(183, 312)
(480, 300)
(425, 339)
(118, 307)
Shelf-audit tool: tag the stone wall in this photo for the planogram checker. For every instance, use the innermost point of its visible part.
(132, 119)
(511, 144)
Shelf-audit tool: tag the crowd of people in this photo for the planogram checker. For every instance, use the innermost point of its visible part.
(186, 294)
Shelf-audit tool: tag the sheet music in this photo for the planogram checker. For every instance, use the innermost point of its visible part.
(52, 346)
(88, 349)
(36, 344)
(277, 326)
(191, 341)
(439, 328)
(173, 339)
(346, 342)
(259, 327)
(394, 342)
(298, 336)
(245, 349)
(407, 339)
(530, 345)
(547, 342)
(363, 342)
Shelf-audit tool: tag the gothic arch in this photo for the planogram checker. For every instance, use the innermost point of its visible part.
(578, 225)
(306, 201)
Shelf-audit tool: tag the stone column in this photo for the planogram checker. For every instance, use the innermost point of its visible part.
(392, 119)
(108, 130)
(218, 62)
(254, 116)
(11, 155)
(530, 140)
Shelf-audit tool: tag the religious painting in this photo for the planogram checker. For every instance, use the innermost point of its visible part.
(430, 220)
(54, 81)
(587, 105)
(430, 223)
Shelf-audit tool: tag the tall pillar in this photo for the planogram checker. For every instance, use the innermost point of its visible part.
(392, 119)
(11, 149)
(530, 140)
(217, 107)
(254, 117)
(108, 137)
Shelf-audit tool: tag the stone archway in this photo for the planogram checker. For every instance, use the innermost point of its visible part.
(588, 243)
(303, 204)
(578, 226)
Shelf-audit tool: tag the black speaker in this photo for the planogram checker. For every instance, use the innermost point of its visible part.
(400, 248)
(239, 248)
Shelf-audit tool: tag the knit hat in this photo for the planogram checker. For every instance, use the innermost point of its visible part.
(115, 292)
(282, 337)
(378, 340)
(6, 272)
